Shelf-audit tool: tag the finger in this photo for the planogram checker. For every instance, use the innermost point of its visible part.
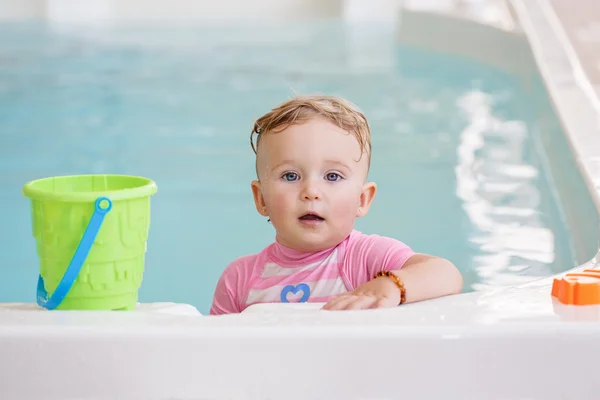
(353, 303)
(340, 298)
(333, 301)
(340, 303)
(361, 303)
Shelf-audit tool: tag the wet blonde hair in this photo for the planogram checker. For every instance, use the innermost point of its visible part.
(300, 109)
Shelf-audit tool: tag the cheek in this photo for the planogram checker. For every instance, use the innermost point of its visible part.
(346, 204)
(280, 199)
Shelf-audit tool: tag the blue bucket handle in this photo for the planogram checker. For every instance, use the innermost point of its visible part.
(78, 259)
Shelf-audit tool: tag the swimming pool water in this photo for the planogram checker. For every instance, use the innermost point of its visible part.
(454, 145)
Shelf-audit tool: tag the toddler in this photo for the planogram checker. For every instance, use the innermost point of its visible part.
(312, 159)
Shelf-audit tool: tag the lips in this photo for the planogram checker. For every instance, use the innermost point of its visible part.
(311, 217)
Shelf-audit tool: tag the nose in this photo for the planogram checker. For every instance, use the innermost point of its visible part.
(310, 190)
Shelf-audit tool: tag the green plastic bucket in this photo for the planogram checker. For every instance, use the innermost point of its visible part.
(91, 233)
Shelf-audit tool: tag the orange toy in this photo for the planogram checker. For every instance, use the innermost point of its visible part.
(578, 288)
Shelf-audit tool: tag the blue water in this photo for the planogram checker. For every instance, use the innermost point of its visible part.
(455, 149)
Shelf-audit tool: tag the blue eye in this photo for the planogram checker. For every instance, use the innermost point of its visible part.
(290, 176)
(333, 177)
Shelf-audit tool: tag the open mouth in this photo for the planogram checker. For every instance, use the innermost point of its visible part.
(311, 217)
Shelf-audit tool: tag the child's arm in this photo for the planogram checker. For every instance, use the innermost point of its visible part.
(231, 286)
(224, 301)
(427, 277)
(424, 277)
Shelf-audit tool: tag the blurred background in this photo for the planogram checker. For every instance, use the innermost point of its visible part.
(466, 141)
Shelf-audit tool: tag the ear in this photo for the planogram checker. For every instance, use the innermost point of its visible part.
(259, 200)
(366, 198)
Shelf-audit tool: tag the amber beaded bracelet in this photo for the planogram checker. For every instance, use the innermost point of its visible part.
(396, 280)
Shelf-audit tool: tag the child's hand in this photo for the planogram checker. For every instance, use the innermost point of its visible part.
(381, 292)
(424, 277)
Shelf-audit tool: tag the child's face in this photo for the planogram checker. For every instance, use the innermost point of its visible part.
(312, 184)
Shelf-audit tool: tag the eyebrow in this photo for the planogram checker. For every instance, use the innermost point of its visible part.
(279, 164)
(335, 162)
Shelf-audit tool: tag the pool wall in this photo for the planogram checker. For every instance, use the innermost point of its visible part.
(515, 343)
(577, 108)
(568, 115)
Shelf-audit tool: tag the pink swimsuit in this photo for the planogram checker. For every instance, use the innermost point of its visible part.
(280, 274)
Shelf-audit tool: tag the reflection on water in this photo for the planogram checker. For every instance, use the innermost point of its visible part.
(454, 159)
(500, 194)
